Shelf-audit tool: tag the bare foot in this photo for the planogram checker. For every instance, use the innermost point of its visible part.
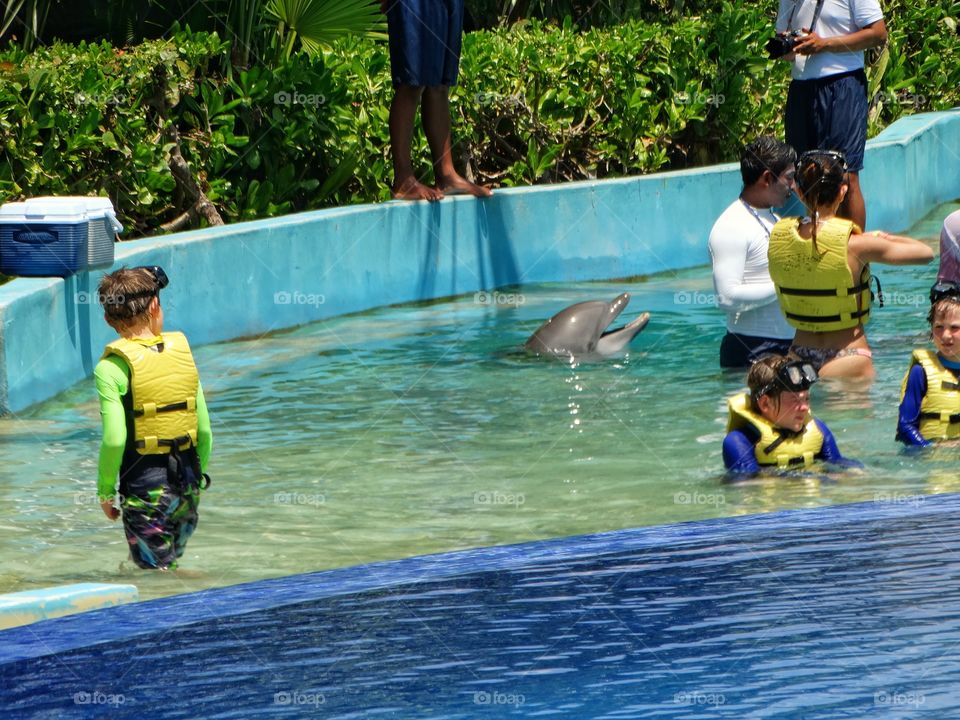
(412, 189)
(458, 185)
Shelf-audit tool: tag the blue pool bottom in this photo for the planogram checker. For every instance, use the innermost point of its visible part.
(847, 611)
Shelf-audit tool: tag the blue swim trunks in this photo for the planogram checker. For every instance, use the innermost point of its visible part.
(829, 114)
(425, 40)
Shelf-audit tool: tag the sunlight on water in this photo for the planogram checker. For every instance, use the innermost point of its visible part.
(419, 429)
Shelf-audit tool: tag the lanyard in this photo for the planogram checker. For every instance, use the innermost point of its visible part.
(756, 215)
(816, 13)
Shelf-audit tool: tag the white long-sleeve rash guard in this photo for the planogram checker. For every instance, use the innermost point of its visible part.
(738, 248)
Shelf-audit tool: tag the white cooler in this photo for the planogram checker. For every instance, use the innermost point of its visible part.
(57, 235)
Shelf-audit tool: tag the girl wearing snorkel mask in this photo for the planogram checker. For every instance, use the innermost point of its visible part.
(771, 426)
(820, 266)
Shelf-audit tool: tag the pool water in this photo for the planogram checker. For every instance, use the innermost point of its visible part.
(840, 612)
(418, 429)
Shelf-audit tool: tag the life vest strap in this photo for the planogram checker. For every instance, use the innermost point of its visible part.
(946, 417)
(799, 460)
(151, 409)
(153, 444)
(827, 318)
(825, 292)
(879, 294)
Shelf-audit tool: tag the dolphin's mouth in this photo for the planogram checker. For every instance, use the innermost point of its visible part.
(638, 322)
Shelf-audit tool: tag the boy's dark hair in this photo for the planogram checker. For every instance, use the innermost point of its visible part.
(941, 305)
(126, 294)
(762, 375)
(765, 153)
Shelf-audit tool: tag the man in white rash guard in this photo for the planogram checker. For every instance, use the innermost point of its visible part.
(738, 249)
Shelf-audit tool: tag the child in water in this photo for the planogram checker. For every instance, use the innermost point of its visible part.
(771, 425)
(156, 430)
(930, 394)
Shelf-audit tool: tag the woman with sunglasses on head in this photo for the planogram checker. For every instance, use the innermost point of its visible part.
(820, 266)
(771, 425)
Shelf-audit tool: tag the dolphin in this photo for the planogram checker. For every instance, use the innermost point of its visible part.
(581, 330)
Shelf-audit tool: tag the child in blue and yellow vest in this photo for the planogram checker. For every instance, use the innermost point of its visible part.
(771, 425)
(156, 430)
(930, 393)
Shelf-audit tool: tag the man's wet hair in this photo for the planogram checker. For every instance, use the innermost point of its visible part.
(765, 153)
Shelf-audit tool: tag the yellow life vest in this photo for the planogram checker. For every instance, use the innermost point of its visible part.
(940, 409)
(815, 287)
(775, 447)
(163, 386)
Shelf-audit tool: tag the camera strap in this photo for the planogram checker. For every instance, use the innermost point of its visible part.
(816, 15)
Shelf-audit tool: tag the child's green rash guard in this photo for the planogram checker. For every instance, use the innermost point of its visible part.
(113, 380)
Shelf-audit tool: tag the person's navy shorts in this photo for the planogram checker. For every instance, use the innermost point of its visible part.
(425, 38)
(829, 114)
(743, 350)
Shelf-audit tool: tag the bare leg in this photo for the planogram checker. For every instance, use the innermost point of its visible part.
(436, 124)
(854, 207)
(851, 366)
(403, 111)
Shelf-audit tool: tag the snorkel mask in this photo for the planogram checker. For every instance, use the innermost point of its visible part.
(944, 289)
(793, 377)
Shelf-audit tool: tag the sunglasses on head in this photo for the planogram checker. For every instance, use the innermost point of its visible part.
(944, 289)
(813, 155)
(794, 376)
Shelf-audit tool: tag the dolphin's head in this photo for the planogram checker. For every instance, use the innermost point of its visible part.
(581, 330)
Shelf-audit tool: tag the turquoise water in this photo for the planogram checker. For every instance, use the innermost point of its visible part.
(417, 429)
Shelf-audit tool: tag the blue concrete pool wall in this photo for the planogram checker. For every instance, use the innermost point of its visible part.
(249, 279)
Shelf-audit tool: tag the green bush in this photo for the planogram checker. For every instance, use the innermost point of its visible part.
(536, 102)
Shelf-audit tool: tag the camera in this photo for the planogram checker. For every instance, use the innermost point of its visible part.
(781, 44)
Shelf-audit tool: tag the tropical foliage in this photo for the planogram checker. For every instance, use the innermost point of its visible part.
(536, 102)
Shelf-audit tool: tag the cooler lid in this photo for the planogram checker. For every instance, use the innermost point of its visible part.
(28, 211)
(72, 208)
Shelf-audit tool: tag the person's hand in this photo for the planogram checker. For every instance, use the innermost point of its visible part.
(810, 44)
(109, 510)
